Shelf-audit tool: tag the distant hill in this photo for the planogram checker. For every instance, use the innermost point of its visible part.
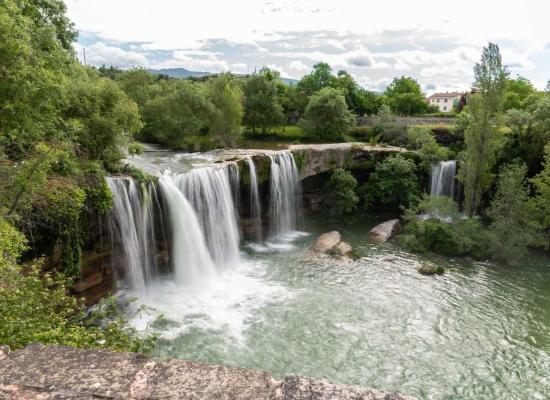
(179, 73)
(185, 73)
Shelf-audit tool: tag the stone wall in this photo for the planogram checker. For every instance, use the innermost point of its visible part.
(60, 372)
(406, 121)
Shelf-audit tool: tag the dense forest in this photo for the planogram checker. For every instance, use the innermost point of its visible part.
(65, 126)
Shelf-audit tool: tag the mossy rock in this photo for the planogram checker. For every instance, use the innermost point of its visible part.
(431, 269)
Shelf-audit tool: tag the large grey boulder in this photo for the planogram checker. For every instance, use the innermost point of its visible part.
(385, 230)
(61, 372)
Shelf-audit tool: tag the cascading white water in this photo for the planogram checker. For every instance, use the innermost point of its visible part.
(285, 194)
(133, 223)
(255, 206)
(190, 258)
(443, 179)
(209, 191)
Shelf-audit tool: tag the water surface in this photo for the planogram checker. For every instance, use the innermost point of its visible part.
(480, 331)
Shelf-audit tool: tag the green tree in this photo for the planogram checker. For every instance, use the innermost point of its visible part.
(50, 14)
(511, 215)
(136, 83)
(516, 93)
(262, 109)
(327, 114)
(480, 136)
(393, 182)
(102, 116)
(542, 198)
(340, 195)
(405, 97)
(33, 70)
(321, 77)
(226, 96)
(177, 117)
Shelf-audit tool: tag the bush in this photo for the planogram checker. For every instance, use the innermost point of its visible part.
(35, 307)
(435, 225)
(340, 193)
(393, 182)
(431, 269)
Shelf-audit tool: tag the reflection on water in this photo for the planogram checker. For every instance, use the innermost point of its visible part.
(480, 331)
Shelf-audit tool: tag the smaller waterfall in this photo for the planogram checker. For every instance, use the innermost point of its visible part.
(443, 179)
(133, 223)
(210, 192)
(191, 261)
(255, 206)
(285, 194)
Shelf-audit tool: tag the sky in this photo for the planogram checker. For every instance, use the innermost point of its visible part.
(435, 42)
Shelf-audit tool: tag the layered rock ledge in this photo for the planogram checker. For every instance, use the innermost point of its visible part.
(313, 159)
(60, 372)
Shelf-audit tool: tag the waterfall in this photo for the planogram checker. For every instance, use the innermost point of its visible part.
(443, 179)
(209, 190)
(285, 194)
(133, 224)
(190, 258)
(255, 206)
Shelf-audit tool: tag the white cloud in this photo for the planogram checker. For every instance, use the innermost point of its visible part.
(374, 41)
(299, 66)
(99, 53)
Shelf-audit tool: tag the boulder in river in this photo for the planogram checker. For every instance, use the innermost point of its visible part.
(326, 241)
(330, 243)
(385, 230)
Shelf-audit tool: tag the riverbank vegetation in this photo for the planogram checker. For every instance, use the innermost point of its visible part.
(502, 209)
(62, 128)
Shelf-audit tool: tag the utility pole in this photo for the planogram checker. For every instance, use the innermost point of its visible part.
(84, 48)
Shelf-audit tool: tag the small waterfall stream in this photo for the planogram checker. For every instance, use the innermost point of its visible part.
(255, 205)
(285, 194)
(209, 190)
(443, 179)
(190, 258)
(133, 224)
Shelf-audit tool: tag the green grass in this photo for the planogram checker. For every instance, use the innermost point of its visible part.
(291, 134)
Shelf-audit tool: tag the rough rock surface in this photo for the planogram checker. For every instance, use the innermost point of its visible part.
(60, 372)
(330, 243)
(385, 230)
(313, 159)
(326, 241)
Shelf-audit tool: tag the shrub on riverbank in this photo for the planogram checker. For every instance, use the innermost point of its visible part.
(36, 307)
(393, 182)
(340, 196)
(436, 225)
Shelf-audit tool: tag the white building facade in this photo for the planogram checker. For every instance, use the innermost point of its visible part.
(445, 101)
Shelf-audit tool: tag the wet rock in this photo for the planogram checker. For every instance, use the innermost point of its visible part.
(61, 372)
(330, 243)
(431, 269)
(384, 231)
(326, 241)
(343, 250)
(88, 282)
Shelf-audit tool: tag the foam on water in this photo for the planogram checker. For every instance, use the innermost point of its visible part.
(226, 303)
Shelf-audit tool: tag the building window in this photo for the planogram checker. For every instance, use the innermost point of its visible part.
(438, 100)
(444, 108)
(445, 100)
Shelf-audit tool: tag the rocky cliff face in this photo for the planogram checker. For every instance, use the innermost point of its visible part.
(313, 159)
(60, 372)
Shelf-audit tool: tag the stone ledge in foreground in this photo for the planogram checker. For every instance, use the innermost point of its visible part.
(61, 372)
